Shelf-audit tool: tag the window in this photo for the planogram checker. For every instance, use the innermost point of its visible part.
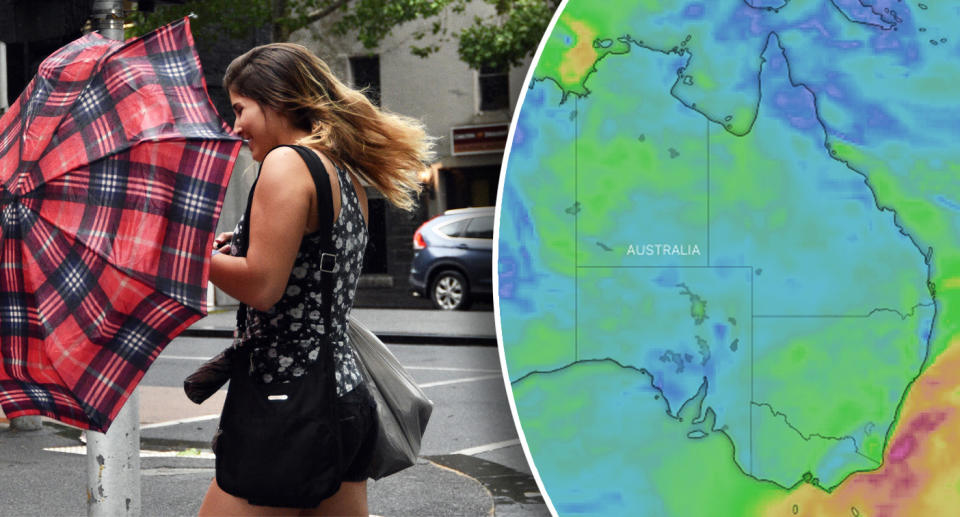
(454, 229)
(365, 71)
(471, 186)
(480, 228)
(494, 89)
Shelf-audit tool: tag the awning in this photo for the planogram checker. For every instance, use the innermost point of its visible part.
(469, 160)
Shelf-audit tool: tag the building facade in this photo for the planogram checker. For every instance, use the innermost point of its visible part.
(29, 32)
(469, 112)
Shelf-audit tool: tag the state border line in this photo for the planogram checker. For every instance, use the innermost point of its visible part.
(752, 318)
(576, 229)
(832, 153)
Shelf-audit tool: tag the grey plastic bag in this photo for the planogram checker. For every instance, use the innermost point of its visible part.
(402, 407)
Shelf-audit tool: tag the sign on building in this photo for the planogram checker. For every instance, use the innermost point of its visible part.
(479, 139)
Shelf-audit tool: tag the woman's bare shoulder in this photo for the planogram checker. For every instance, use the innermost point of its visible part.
(282, 157)
(284, 163)
(284, 172)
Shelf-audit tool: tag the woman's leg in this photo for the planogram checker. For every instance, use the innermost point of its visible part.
(217, 502)
(350, 500)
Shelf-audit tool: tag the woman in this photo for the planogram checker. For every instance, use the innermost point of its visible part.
(283, 95)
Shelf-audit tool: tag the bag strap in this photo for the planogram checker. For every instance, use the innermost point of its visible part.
(321, 182)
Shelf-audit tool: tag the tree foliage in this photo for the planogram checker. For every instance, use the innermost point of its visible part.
(497, 41)
(507, 37)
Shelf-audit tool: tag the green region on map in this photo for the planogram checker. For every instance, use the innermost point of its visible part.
(722, 229)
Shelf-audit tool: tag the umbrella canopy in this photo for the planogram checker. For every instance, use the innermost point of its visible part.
(113, 167)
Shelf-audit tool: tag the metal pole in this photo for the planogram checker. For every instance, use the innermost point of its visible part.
(113, 459)
(113, 465)
(107, 18)
(4, 104)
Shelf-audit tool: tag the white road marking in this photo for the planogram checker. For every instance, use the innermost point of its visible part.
(184, 357)
(450, 369)
(82, 450)
(480, 449)
(169, 423)
(173, 471)
(457, 381)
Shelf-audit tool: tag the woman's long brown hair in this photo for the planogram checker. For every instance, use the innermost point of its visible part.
(385, 149)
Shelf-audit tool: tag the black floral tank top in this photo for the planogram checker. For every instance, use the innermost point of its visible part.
(297, 319)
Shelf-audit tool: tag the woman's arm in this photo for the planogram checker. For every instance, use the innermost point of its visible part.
(278, 217)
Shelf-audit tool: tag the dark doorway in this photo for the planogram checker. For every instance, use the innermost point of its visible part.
(471, 186)
(375, 256)
(366, 76)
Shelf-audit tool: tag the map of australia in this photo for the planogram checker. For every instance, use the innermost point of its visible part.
(727, 246)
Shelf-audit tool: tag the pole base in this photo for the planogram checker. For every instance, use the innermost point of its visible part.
(26, 423)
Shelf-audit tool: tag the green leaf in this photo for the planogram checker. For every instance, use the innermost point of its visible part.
(501, 40)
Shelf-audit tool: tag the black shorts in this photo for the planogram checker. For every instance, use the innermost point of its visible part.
(358, 432)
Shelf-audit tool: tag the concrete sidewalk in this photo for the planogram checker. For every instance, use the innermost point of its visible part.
(398, 326)
(471, 463)
(42, 474)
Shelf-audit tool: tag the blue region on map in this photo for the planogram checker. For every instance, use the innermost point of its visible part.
(722, 146)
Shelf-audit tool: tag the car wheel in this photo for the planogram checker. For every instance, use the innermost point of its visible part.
(449, 291)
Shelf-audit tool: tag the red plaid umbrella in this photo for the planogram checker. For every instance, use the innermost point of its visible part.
(113, 166)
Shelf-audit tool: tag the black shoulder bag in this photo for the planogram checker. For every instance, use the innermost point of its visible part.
(279, 444)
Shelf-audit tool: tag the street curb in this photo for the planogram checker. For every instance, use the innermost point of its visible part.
(506, 485)
(395, 338)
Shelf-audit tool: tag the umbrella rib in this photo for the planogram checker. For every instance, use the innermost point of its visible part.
(87, 258)
(148, 280)
(19, 369)
(135, 143)
(33, 113)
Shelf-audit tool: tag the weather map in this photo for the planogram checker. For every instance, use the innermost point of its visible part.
(728, 258)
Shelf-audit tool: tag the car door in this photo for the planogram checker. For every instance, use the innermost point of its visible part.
(478, 242)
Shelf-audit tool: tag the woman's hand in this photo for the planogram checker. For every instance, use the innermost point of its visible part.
(278, 220)
(222, 242)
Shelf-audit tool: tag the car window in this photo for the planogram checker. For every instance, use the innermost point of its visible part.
(480, 228)
(454, 229)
